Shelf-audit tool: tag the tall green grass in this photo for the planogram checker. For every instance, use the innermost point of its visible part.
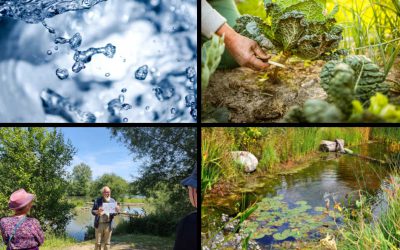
(383, 232)
(386, 134)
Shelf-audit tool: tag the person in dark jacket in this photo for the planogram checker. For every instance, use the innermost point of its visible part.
(103, 221)
(186, 233)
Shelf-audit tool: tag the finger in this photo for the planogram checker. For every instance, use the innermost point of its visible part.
(260, 53)
(257, 64)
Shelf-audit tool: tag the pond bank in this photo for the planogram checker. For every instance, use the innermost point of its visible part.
(298, 209)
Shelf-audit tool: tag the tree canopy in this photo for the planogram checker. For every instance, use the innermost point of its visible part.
(81, 180)
(35, 159)
(119, 187)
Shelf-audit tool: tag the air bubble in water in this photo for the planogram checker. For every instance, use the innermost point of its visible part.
(123, 90)
(141, 72)
(107, 74)
(125, 119)
(49, 52)
(62, 73)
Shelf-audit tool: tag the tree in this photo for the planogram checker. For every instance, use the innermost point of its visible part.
(119, 187)
(81, 180)
(170, 154)
(35, 159)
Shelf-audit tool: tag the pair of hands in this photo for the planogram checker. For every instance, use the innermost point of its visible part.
(101, 210)
(245, 51)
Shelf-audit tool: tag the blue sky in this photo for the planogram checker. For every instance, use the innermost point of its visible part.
(102, 153)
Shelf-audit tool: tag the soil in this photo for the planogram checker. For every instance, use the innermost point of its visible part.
(249, 97)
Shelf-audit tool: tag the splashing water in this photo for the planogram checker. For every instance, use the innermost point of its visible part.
(160, 35)
(56, 104)
(34, 11)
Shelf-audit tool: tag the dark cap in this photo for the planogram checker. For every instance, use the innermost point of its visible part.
(191, 180)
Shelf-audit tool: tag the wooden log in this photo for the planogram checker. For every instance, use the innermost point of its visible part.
(332, 146)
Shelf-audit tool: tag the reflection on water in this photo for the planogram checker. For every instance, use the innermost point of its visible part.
(83, 218)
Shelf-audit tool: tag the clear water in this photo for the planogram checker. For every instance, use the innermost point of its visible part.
(57, 53)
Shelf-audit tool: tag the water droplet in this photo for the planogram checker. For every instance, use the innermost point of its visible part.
(173, 111)
(75, 41)
(189, 100)
(49, 52)
(123, 90)
(147, 107)
(125, 119)
(107, 74)
(124, 60)
(141, 72)
(126, 106)
(121, 98)
(190, 73)
(55, 47)
(78, 66)
(62, 73)
(193, 113)
(163, 94)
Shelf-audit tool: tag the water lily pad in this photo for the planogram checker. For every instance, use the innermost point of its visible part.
(286, 234)
(319, 209)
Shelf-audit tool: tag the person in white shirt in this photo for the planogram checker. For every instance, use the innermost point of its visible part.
(218, 17)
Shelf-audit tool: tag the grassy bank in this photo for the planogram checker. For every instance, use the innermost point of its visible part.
(273, 147)
(366, 232)
(128, 241)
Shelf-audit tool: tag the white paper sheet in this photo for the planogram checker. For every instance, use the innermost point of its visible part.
(109, 208)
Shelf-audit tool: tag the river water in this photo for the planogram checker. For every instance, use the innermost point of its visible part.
(52, 77)
(296, 201)
(83, 218)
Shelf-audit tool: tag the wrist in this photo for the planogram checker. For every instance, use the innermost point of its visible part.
(226, 31)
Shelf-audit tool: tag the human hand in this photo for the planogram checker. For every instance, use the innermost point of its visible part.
(100, 211)
(245, 51)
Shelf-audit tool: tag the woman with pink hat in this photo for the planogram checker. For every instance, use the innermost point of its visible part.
(19, 231)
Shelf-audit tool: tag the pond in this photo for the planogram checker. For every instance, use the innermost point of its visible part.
(77, 227)
(303, 205)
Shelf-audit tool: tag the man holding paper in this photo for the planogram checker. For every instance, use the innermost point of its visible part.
(104, 209)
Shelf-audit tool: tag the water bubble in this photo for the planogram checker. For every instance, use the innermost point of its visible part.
(82, 57)
(190, 73)
(189, 100)
(173, 111)
(108, 50)
(55, 47)
(107, 74)
(125, 119)
(49, 52)
(62, 73)
(141, 72)
(147, 107)
(123, 90)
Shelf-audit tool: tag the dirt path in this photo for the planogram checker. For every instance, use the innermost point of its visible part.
(116, 246)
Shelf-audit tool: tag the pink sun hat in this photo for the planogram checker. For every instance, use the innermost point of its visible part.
(20, 199)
